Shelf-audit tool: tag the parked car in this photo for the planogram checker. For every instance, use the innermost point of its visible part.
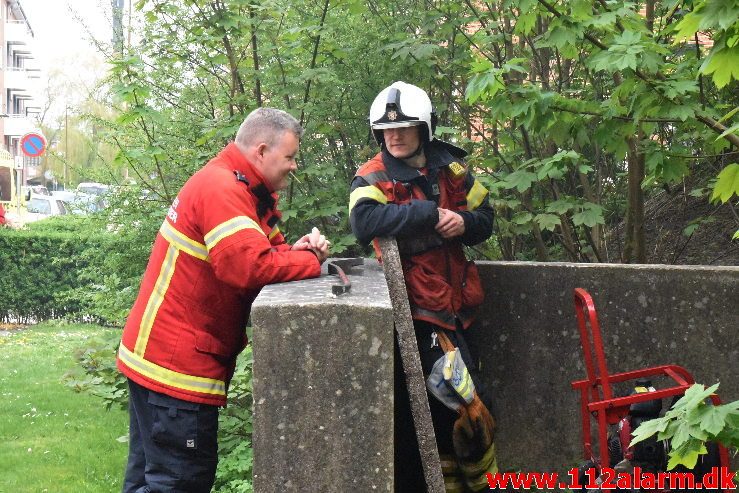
(80, 203)
(27, 191)
(42, 206)
(64, 195)
(92, 188)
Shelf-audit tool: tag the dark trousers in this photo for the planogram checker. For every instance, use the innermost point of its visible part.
(408, 468)
(173, 444)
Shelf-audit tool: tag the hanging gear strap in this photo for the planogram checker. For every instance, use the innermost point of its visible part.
(473, 433)
(444, 342)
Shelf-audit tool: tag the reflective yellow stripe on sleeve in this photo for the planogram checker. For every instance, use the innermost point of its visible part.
(275, 231)
(171, 377)
(368, 192)
(228, 228)
(476, 195)
(182, 242)
(155, 299)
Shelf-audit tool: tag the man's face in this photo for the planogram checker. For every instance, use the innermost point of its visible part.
(278, 160)
(402, 142)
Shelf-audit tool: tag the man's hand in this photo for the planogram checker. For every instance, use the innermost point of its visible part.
(315, 242)
(450, 224)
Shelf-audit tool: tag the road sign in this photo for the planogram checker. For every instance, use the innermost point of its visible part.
(33, 144)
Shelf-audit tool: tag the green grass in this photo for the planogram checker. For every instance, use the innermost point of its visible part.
(51, 438)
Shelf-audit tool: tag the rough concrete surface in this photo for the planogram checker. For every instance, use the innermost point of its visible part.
(323, 386)
(650, 315)
(324, 377)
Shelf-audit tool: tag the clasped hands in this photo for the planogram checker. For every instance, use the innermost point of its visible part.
(315, 242)
(450, 224)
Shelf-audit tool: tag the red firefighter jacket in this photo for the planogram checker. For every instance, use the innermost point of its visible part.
(389, 198)
(218, 246)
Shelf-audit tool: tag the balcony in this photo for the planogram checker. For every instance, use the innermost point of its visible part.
(18, 124)
(16, 78)
(17, 32)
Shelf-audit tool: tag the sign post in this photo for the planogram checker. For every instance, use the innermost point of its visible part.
(33, 145)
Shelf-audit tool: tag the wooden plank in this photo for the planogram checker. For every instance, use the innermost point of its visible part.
(416, 384)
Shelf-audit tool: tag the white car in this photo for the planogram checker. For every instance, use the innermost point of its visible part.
(43, 206)
(91, 188)
(79, 203)
(29, 190)
(64, 195)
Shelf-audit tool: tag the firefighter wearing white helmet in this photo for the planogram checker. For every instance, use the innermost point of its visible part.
(419, 190)
(402, 105)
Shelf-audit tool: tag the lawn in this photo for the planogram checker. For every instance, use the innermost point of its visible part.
(51, 438)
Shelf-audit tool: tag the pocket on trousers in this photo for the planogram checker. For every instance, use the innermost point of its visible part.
(174, 424)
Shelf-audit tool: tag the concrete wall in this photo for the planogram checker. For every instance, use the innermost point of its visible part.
(323, 387)
(650, 315)
(323, 366)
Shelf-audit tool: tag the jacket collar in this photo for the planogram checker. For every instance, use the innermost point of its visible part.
(232, 159)
(437, 156)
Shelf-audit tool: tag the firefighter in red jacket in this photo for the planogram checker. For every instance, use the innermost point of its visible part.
(419, 190)
(218, 246)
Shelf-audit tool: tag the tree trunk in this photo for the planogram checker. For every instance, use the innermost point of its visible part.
(634, 248)
(255, 58)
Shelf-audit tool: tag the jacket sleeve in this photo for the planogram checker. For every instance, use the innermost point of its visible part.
(240, 253)
(371, 216)
(278, 242)
(478, 218)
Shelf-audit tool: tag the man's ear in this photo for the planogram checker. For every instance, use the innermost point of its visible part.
(261, 148)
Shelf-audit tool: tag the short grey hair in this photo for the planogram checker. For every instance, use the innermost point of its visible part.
(266, 125)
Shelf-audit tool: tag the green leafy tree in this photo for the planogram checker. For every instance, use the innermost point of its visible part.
(619, 86)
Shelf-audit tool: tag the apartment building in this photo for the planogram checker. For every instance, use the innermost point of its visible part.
(19, 80)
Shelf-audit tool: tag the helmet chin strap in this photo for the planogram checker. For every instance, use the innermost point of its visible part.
(417, 159)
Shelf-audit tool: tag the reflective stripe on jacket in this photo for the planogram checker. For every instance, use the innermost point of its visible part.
(218, 246)
(389, 198)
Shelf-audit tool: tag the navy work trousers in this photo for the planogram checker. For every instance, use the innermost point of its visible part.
(173, 444)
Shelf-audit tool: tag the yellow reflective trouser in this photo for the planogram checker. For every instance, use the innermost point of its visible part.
(475, 473)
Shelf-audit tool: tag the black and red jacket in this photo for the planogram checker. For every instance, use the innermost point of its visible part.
(390, 198)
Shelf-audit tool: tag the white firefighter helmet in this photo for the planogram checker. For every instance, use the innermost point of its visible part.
(401, 105)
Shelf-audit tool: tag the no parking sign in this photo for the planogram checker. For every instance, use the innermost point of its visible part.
(33, 144)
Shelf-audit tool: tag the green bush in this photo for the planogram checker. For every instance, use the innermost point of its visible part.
(235, 456)
(69, 267)
(38, 267)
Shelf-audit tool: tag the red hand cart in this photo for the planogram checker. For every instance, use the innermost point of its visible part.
(596, 394)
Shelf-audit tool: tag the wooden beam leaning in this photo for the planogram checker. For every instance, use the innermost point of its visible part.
(416, 384)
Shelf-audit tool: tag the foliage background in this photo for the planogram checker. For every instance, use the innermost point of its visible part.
(579, 115)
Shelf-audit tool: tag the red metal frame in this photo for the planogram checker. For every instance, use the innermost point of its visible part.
(596, 394)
